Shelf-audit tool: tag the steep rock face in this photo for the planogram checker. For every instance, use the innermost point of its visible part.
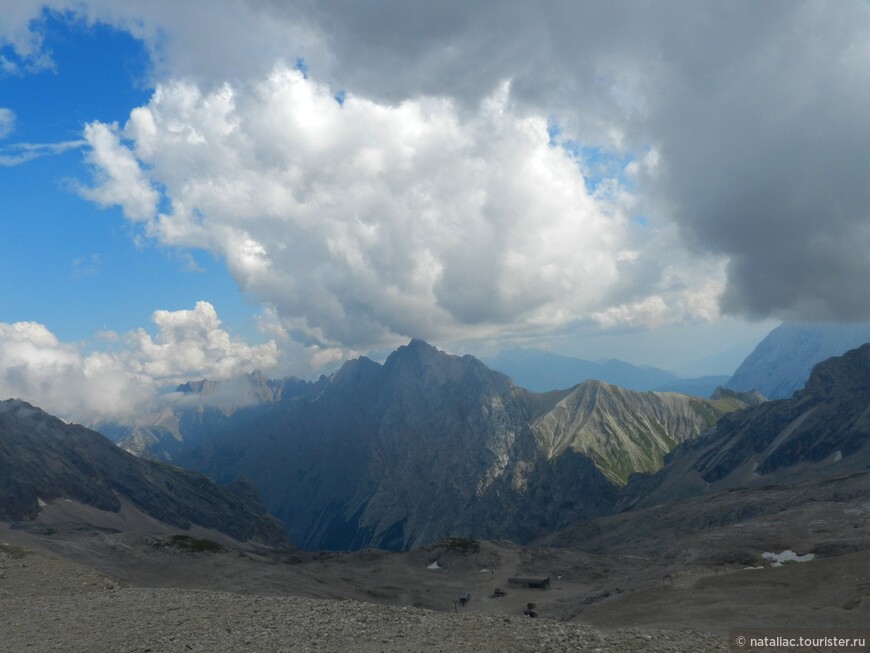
(783, 360)
(447, 429)
(42, 458)
(822, 430)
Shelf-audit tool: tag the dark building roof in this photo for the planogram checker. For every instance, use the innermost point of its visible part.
(531, 581)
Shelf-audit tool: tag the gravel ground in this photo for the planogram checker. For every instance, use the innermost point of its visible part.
(49, 604)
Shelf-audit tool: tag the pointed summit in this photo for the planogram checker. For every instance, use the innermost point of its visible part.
(421, 347)
(416, 350)
(422, 362)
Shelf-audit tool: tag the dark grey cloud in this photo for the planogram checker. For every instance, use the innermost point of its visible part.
(758, 112)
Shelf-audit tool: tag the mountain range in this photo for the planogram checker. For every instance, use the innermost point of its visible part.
(429, 445)
(423, 446)
(542, 371)
(778, 366)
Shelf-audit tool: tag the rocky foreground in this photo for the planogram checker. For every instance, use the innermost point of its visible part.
(50, 604)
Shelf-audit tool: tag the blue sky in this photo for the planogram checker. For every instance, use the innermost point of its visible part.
(181, 197)
(77, 268)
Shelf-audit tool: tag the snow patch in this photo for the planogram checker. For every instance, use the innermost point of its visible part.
(434, 565)
(786, 556)
(42, 504)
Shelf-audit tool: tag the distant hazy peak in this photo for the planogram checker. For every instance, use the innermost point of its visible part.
(201, 387)
(9, 405)
(418, 344)
(783, 360)
(543, 371)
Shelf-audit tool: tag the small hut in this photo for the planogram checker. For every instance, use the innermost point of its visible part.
(530, 582)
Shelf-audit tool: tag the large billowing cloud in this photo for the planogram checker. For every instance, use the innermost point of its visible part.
(362, 222)
(192, 344)
(433, 201)
(67, 380)
(758, 112)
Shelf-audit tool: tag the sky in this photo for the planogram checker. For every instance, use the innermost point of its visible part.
(205, 188)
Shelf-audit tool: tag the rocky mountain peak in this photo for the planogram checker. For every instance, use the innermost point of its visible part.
(846, 375)
(621, 431)
(420, 345)
(18, 411)
(418, 362)
(17, 407)
(416, 351)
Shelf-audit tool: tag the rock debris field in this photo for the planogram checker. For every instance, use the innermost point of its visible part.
(50, 604)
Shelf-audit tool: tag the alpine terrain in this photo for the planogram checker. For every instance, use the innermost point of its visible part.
(429, 445)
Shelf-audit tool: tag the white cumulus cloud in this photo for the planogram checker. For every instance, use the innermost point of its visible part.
(59, 377)
(68, 380)
(362, 222)
(120, 179)
(192, 344)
